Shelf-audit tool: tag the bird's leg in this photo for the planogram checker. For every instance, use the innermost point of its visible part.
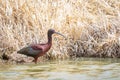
(35, 60)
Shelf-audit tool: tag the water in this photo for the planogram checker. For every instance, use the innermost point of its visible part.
(78, 69)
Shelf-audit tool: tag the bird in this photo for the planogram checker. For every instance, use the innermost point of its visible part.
(37, 50)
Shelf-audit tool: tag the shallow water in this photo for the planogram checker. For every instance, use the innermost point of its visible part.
(78, 69)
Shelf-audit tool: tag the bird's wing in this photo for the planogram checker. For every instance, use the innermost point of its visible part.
(32, 50)
(36, 47)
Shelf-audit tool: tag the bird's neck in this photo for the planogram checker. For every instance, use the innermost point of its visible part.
(50, 38)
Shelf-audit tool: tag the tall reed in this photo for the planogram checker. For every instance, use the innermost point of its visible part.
(92, 27)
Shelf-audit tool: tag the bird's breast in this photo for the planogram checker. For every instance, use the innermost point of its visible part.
(46, 48)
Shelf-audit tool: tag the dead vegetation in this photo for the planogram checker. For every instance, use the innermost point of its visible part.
(92, 27)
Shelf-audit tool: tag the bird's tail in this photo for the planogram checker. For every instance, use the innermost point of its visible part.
(19, 51)
(23, 50)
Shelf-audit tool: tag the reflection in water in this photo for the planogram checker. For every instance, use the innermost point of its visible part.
(79, 69)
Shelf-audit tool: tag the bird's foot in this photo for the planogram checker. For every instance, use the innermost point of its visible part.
(35, 61)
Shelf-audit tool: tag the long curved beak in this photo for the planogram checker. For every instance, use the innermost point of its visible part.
(60, 34)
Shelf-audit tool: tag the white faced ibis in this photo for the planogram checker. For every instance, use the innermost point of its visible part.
(37, 50)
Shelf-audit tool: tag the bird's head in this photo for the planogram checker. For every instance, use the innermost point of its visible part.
(52, 31)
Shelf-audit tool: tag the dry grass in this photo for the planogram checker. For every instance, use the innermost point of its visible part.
(92, 26)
